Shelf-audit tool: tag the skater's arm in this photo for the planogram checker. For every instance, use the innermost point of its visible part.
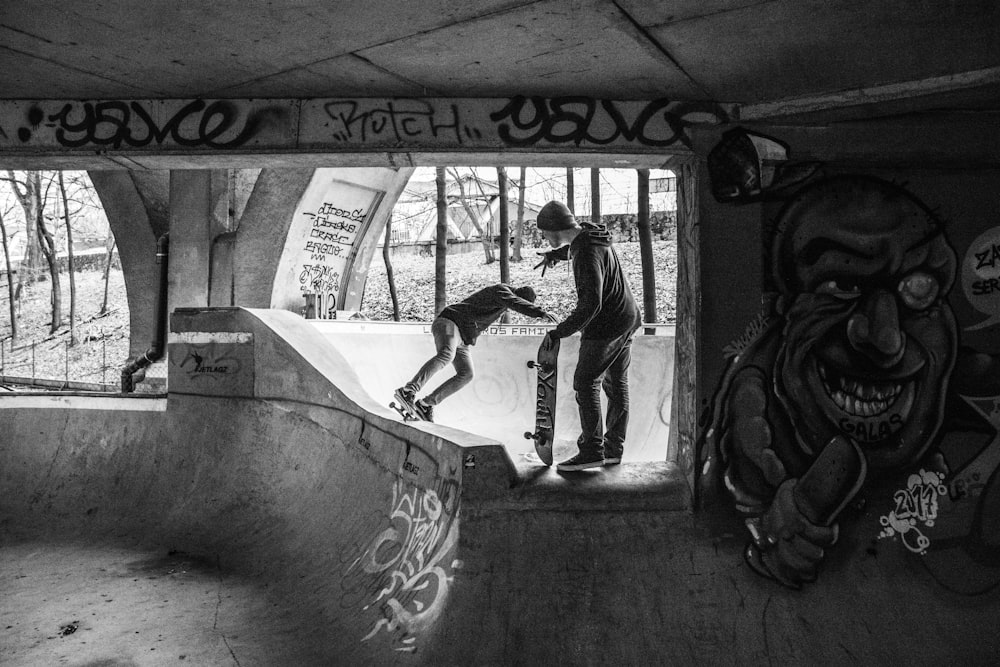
(517, 304)
(589, 277)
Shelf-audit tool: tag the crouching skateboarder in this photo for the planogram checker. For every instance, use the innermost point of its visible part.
(455, 329)
(607, 316)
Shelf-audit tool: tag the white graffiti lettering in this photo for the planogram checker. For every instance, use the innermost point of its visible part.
(917, 503)
(410, 560)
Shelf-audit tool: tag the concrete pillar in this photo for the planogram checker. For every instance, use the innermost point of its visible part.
(199, 211)
(137, 212)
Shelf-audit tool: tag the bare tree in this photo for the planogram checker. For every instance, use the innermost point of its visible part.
(441, 248)
(504, 226)
(32, 199)
(70, 264)
(388, 268)
(474, 218)
(10, 282)
(26, 194)
(519, 225)
(110, 244)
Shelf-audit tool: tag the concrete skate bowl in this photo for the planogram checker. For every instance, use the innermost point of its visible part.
(499, 403)
(269, 512)
(266, 512)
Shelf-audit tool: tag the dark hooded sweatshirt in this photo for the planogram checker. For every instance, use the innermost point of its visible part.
(481, 309)
(605, 307)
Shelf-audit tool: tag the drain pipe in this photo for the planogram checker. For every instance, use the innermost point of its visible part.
(157, 347)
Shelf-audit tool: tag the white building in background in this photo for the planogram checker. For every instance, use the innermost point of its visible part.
(414, 218)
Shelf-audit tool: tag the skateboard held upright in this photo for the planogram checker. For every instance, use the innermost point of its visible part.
(546, 366)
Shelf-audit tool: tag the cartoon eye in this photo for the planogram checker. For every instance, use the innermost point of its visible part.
(840, 288)
(918, 290)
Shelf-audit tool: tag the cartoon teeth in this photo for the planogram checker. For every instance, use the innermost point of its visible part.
(857, 397)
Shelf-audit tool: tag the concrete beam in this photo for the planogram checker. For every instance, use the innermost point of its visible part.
(182, 133)
(868, 95)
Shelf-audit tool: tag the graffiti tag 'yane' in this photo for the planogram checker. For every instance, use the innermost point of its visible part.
(397, 120)
(116, 123)
(584, 120)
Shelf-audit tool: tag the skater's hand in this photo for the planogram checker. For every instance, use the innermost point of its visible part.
(551, 318)
(550, 258)
(548, 342)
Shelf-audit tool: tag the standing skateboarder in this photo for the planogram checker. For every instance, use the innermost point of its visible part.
(454, 330)
(607, 316)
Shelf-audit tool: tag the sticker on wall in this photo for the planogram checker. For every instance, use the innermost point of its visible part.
(213, 363)
(981, 277)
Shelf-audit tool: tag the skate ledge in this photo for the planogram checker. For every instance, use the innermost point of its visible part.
(646, 486)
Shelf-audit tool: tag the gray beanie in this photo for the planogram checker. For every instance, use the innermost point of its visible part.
(555, 217)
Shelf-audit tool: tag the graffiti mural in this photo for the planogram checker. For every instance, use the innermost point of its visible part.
(845, 379)
(404, 571)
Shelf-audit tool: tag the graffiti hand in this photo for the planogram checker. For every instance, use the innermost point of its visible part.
(787, 546)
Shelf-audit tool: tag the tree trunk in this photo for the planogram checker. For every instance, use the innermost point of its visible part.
(10, 283)
(474, 217)
(504, 227)
(519, 225)
(441, 250)
(646, 249)
(570, 191)
(28, 270)
(388, 269)
(48, 245)
(69, 262)
(595, 195)
(107, 272)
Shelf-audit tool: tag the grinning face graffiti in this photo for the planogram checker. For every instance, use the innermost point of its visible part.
(869, 343)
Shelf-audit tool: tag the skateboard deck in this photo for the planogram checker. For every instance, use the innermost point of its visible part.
(546, 366)
(406, 409)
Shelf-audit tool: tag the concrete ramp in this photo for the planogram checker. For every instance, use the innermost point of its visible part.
(499, 403)
(270, 512)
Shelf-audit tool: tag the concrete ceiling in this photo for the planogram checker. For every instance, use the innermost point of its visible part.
(808, 60)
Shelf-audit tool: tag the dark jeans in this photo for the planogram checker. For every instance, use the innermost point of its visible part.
(603, 364)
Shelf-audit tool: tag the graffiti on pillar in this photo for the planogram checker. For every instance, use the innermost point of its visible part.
(321, 242)
(137, 124)
(404, 571)
(846, 379)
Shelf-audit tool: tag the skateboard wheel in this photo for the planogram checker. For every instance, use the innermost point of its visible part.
(532, 364)
(528, 435)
